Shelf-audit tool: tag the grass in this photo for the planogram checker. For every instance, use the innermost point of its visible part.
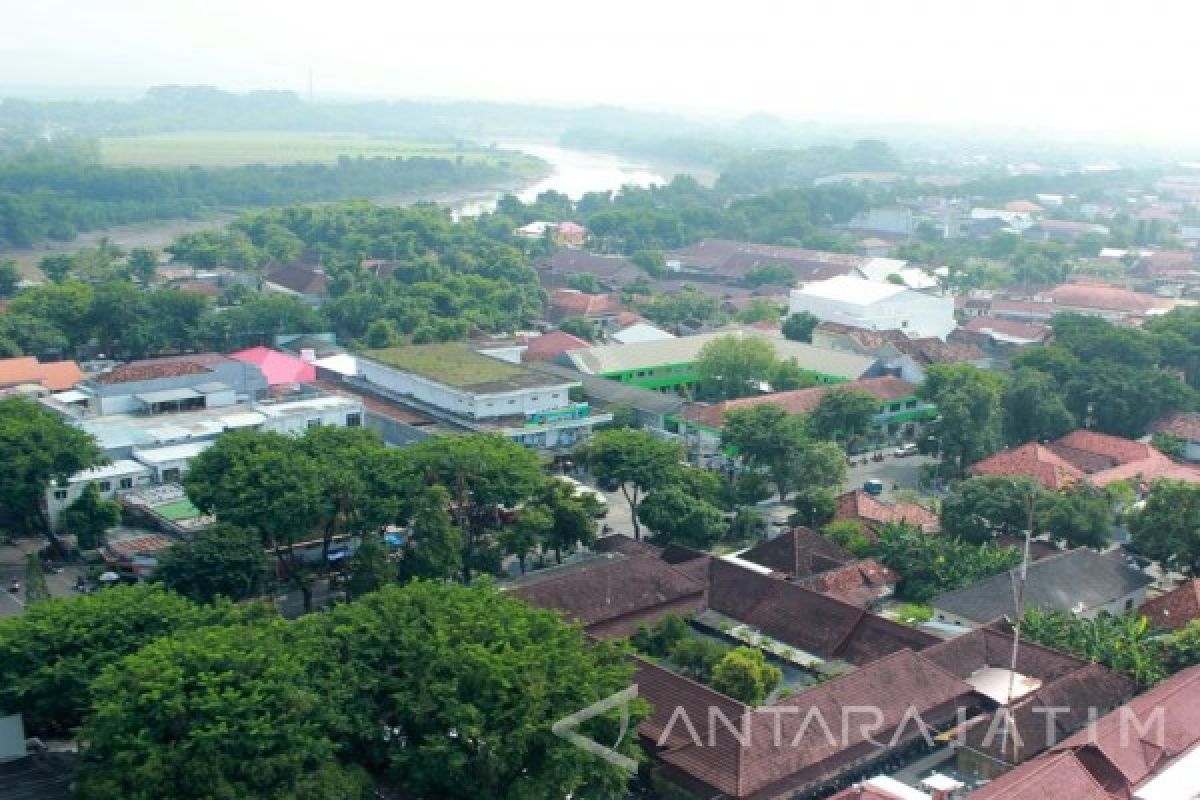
(453, 364)
(180, 509)
(230, 149)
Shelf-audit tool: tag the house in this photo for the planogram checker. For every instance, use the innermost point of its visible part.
(873, 513)
(174, 383)
(1186, 426)
(309, 284)
(1176, 608)
(1061, 230)
(810, 560)
(1007, 332)
(1017, 221)
(1080, 582)
(671, 363)
(640, 332)
(616, 593)
(1020, 682)
(1083, 455)
(1147, 749)
(569, 234)
(452, 381)
(278, 368)
(891, 270)
(900, 410)
(550, 346)
(875, 304)
(55, 376)
(601, 309)
(1104, 300)
(610, 272)
(726, 261)
(109, 479)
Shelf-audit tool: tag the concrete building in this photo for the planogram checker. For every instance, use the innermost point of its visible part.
(671, 363)
(876, 305)
(176, 383)
(452, 381)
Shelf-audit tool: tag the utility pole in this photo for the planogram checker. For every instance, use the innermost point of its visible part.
(1019, 604)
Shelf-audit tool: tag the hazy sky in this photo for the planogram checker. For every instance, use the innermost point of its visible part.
(1128, 68)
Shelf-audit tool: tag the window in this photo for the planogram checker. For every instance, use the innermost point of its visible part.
(60, 494)
(354, 420)
(315, 422)
(1129, 604)
(104, 486)
(170, 475)
(894, 407)
(911, 404)
(126, 483)
(512, 402)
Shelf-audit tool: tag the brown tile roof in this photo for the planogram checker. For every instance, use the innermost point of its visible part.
(1034, 460)
(151, 370)
(867, 338)
(1007, 327)
(1184, 424)
(798, 552)
(871, 511)
(549, 345)
(301, 280)
(56, 376)
(813, 622)
(802, 401)
(200, 287)
(1176, 608)
(1060, 776)
(1119, 450)
(860, 583)
(931, 350)
(611, 597)
(784, 752)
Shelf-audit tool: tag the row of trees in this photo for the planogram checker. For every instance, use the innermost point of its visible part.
(433, 689)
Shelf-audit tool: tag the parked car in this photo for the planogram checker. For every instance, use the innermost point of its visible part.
(583, 491)
(906, 449)
(15, 586)
(873, 487)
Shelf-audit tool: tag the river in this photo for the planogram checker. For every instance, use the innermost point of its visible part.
(572, 172)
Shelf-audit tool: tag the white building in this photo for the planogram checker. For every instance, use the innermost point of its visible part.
(109, 479)
(875, 305)
(451, 380)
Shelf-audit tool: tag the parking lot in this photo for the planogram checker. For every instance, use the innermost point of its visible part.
(894, 473)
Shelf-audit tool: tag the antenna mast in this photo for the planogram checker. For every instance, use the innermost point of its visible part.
(1019, 598)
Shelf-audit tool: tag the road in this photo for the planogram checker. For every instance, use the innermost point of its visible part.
(904, 473)
(12, 565)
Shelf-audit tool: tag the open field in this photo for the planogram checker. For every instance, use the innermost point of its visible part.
(222, 149)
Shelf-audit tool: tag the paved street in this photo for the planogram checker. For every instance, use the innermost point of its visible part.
(12, 565)
(902, 472)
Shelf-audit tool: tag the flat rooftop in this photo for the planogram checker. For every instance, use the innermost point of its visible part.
(455, 364)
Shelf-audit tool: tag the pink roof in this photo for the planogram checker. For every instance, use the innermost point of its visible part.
(276, 366)
(554, 343)
(1103, 296)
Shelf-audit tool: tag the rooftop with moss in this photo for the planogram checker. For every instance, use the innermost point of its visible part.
(456, 364)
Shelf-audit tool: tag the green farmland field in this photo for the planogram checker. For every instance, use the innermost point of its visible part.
(218, 149)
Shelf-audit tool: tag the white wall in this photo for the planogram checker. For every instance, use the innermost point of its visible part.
(59, 498)
(915, 313)
(465, 401)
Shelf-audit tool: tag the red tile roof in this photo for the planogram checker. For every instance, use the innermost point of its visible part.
(1037, 461)
(798, 552)
(1119, 450)
(55, 375)
(152, 370)
(1106, 298)
(802, 401)
(860, 583)
(1184, 424)
(1176, 608)
(279, 368)
(871, 511)
(570, 301)
(549, 345)
(1060, 776)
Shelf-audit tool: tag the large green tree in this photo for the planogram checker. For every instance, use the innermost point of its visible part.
(733, 366)
(1081, 515)
(745, 675)
(37, 448)
(434, 547)
(223, 562)
(979, 508)
(843, 413)
(677, 517)
(768, 438)
(969, 413)
(50, 656)
(799, 327)
(213, 713)
(89, 517)
(637, 461)
(1167, 528)
(452, 691)
(1034, 409)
